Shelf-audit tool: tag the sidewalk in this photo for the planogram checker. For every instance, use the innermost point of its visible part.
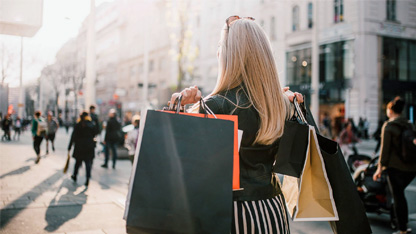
(40, 198)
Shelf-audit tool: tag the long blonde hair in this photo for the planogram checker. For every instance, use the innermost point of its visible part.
(245, 57)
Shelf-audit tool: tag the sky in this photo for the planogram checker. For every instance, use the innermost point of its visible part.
(61, 21)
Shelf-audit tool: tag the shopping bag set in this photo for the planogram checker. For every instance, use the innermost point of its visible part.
(186, 167)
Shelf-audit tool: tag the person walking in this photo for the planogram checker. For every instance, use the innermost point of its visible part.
(347, 139)
(95, 120)
(17, 128)
(6, 126)
(83, 140)
(53, 126)
(39, 131)
(248, 86)
(112, 138)
(132, 137)
(399, 173)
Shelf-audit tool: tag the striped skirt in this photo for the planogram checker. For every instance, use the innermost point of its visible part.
(263, 217)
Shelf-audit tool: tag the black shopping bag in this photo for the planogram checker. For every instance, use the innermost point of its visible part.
(293, 146)
(183, 176)
(351, 211)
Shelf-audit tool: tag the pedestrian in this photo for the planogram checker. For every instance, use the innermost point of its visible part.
(347, 139)
(248, 86)
(39, 128)
(95, 120)
(399, 173)
(17, 128)
(6, 126)
(83, 140)
(377, 137)
(112, 138)
(366, 128)
(53, 126)
(132, 137)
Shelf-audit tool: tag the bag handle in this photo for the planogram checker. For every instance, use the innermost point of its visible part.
(202, 105)
(299, 110)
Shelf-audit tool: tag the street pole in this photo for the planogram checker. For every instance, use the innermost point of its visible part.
(315, 65)
(21, 91)
(90, 66)
(146, 65)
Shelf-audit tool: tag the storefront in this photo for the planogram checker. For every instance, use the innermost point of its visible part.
(398, 73)
(336, 69)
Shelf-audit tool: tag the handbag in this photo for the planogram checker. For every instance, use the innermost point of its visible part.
(308, 196)
(182, 175)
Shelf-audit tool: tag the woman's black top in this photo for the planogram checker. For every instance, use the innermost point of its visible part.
(83, 139)
(256, 161)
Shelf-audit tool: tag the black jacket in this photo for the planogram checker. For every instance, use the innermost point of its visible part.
(112, 131)
(83, 139)
(256, 162)
(390, 145)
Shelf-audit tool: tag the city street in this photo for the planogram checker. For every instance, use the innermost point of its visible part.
(40, 198)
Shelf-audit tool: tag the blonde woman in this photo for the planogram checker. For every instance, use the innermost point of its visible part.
(248, 86)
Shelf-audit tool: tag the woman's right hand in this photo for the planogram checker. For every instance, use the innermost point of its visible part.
(189, 95)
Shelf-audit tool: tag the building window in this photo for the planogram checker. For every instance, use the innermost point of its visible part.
(336, 68)
(273, 28)
(299, 67)
(338, 11)
(151, 65)
(399, 59)
(295, 18)
(310, 15)
(391, 10)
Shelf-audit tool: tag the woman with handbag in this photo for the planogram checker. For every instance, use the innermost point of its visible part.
(248, 86)
(83, 139)
(399, 173)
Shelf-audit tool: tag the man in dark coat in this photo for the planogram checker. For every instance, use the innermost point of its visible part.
(83, 139)
(95, 121)
(112, 138)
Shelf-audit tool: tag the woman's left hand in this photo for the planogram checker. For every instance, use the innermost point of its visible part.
(291, 95)
(189, 95)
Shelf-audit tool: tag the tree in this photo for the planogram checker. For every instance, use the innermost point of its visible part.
(51, 74)
(70, 66)
(7, 58)
(180, 13)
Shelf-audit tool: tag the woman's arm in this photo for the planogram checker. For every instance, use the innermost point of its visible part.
(385, 152)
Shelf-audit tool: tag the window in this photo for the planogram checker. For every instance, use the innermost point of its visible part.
(338, 11)
(391, 10)
(399, 58)
(299, 67)
(151, 65)
(295, 18)
(273, 28)
(310, 15)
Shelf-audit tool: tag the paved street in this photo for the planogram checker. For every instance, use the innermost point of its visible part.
(42, 199)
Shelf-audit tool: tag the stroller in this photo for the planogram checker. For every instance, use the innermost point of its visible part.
(376, 195)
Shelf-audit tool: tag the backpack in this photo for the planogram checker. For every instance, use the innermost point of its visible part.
(42, 128)
(408, 148)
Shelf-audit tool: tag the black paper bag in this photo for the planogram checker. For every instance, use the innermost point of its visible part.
(351, 211)
(183, 176)
(291, 153)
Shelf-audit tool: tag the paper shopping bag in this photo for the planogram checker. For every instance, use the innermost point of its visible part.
(67, 163)
(183, 174)
(310, 197)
